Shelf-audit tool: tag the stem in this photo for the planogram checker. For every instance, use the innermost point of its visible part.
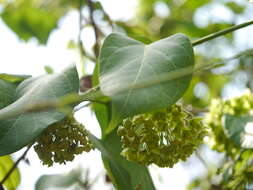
(82, 50)
(221, 33)
(94, 94)
(202, 160)
(216, 64)
(80, 43)
(95, 27)
(90, 95)
(89, 103)
(91, 184)
(15, 165)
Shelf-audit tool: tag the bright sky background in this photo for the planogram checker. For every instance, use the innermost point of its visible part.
(18, 57)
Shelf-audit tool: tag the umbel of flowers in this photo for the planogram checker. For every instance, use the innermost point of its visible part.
(237, 106)
(163, 137)
(62, 141)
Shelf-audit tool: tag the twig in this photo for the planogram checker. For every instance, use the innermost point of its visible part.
(95, 27)
(110, 21)
(201, 159)
(80, 42)
(90, 184)
(15, 165)
(90, 95)
(221, 33)
(95, 93)
(216, 64)
(88, 104)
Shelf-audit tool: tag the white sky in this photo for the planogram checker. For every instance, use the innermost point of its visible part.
(17, 57)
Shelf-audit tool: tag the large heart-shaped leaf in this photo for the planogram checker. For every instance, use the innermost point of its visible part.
(16, 132)
(240, 130)
(137, 77)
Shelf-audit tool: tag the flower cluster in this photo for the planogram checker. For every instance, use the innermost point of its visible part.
(236, 106)
(62, 141)
(163, 137)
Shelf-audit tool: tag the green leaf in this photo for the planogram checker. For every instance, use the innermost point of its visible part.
(139, 175)
(141, 78)
(59, 180)
(102, 111)
(236, 8)
(33, 18)
(6, 164)
(8, 85)
(120, 177)
(13, 78)
(7, 91)
(240, 130)
(17, 132)
(115, 164)
(48, 69)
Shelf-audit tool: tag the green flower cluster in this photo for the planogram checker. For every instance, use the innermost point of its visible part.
(62, 141)
(238, 175)
(163, 137)
(236, 106)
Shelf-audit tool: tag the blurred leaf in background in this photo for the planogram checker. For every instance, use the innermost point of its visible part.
(35, 18)
(73, 179)
(6, 164)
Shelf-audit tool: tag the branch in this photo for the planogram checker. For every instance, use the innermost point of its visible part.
(93, 94)
(201, 159)
(95, 27)
(62, 102)
(221, 33)
(80, 42)
(91, 184)
(216, 64)
(78, 108)
(15, 165)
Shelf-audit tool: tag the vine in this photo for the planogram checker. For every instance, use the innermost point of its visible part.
(149, 134)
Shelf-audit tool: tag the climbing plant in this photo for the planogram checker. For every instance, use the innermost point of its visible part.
(141, 92)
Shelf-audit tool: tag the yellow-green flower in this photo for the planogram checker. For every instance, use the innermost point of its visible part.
(163, 137)
(62, 141)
